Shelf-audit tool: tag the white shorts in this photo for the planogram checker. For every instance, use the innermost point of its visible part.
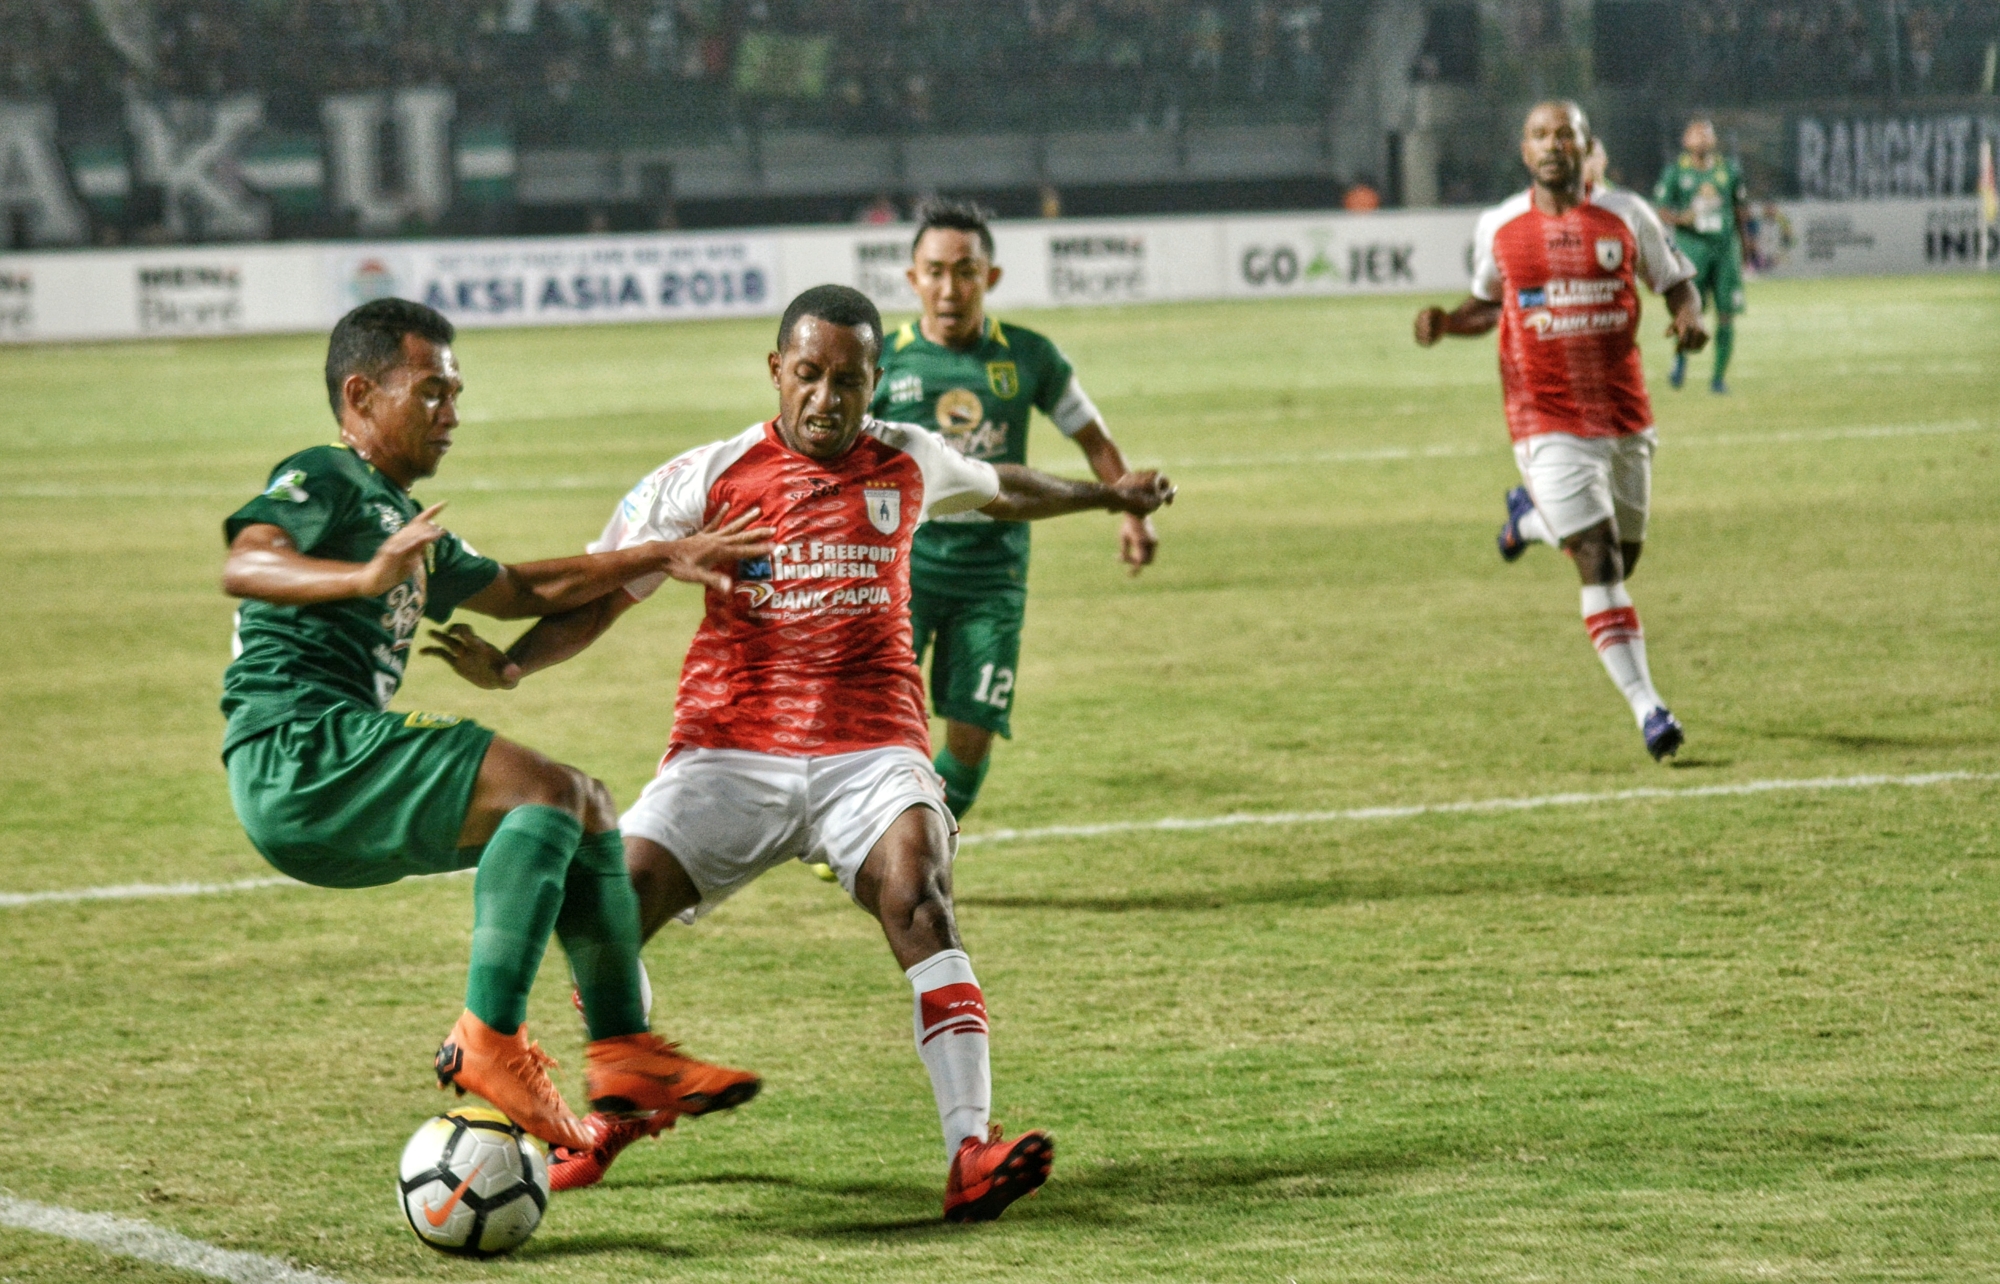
(728, 814)
(1577, 482)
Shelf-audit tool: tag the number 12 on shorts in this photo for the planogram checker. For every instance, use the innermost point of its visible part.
(994, 686)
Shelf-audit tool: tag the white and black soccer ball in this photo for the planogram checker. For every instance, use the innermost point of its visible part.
(472, 1183)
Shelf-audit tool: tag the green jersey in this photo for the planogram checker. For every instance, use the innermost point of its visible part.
(978, 398)
(298, 659)
(1713, 195)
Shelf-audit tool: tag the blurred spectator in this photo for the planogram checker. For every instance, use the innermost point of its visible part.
(1361, 198)
(1051, 201)
(879, 211)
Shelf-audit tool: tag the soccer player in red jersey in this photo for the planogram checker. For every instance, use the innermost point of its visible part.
(799, 729)
(1556, 269)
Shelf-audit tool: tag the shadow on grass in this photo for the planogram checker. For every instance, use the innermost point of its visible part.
(1863, 741)
(586, 1245)
(1315, 893)
(1110, 1195)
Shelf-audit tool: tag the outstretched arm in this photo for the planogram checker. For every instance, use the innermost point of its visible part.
(1138, 542)
(264, 564)
(564, 584)
(1027, 495)
(1475, 316)
(552, 640)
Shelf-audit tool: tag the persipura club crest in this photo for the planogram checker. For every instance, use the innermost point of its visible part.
(884, 507)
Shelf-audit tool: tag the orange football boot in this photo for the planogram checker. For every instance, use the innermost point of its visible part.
(986, 1176)
(638, 1074)
(512, 1074)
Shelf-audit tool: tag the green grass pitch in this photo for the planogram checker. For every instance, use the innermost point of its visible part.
(1723, 1038)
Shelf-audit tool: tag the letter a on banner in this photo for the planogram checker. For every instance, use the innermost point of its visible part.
(32, 181)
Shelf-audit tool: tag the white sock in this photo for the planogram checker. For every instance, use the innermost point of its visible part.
(951, 1039)
(1621, 645)
(1535, 530)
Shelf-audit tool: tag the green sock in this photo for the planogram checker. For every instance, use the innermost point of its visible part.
(961, 783)
(515, 900)
(599, 930)
(1725, 343)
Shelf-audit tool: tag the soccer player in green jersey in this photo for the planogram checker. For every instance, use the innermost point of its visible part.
(338, 566)
(967, 376)
(1701, 195)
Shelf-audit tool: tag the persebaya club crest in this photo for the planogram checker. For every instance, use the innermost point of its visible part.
(1004, 379)
(885, 508)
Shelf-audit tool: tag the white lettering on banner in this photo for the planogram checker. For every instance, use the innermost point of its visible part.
(1919, 157)
(190, 150)
(1097, 269)
(423, 153)
(31, 176)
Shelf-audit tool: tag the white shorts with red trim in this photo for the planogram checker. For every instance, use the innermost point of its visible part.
(1577, 482)
(727, 815)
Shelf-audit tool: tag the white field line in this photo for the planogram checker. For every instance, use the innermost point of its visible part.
(128, 1237)
(1167, 824)
(1473, 806)
(1374, 455)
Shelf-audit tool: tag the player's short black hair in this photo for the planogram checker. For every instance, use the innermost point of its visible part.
(369, 340)
(958, 216)
(840, 304)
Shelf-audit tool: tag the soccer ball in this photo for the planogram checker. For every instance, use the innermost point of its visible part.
(472, 1184)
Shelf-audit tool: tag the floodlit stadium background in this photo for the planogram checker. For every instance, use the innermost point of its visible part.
(1328, 910)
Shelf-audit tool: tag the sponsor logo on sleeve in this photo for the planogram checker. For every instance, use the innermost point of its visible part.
(288, 486)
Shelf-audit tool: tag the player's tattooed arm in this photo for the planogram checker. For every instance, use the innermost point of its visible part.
(1475, 316)
(1027, 495)
(1138, 542)
(264, 564)
(564, 584)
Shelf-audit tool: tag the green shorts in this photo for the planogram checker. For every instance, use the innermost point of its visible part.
(978, 641)
(350, 797)
(1718, 270)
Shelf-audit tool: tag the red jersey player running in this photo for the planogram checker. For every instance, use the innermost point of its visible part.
(799, 729)
(1555, 269)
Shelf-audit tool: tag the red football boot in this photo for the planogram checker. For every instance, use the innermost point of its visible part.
(986, 1176)
(574, 1169)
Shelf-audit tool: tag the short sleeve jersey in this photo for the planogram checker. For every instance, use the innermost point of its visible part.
(978, 400)
(809, 654)
(296, 659)
(1569, 310)
(1711, 194)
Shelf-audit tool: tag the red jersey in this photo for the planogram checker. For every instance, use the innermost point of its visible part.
(809, 654)
(1569, 310)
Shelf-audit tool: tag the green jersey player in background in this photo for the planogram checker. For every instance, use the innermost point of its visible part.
(971, 378)
(1701, 195)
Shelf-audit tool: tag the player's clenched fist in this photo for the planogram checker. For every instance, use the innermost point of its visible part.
(1430, 326)
(1141, 493)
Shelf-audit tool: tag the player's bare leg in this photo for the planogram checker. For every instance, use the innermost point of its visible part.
(906, 883)
(641, 1085)
(1604, 563)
